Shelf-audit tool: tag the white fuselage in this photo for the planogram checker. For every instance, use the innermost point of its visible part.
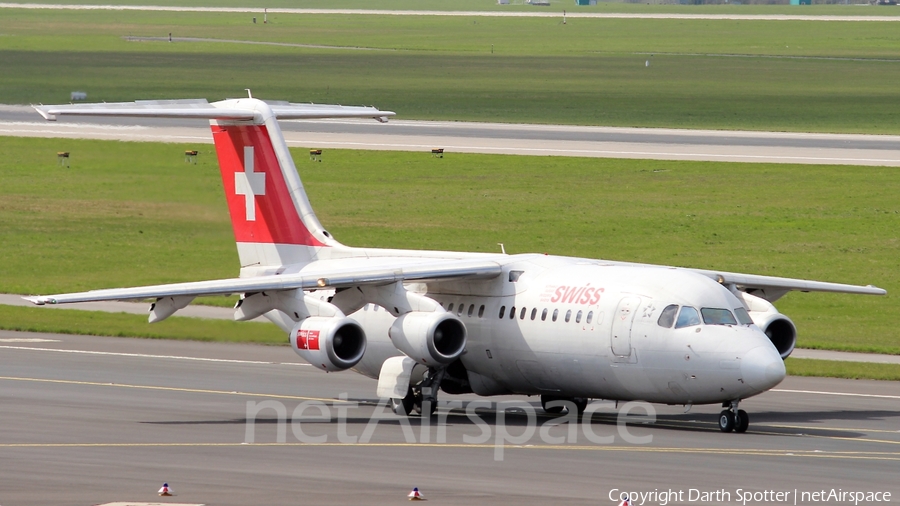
(580, 328)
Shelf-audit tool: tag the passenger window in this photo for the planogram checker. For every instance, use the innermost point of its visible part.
(578, 317)
(374, 307)
(667, 317)
(715, 316)
(460, 310)
(590, 317)
(450, 308)
(533, 313)
(544, 315)
(568, 315)
(481, 311)
(555, 314)
(512, 312)
(522, 314)
(471, 310)
(688, 317)
(743, 317)
(502, 311)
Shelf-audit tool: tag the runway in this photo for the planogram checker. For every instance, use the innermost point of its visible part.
(90, 420)
(514, 139)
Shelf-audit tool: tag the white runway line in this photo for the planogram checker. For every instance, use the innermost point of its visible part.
(143, 355)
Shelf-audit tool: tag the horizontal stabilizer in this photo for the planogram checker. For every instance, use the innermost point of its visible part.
(226, 110)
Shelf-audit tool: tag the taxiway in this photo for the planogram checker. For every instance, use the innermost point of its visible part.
(498, 138)
(90, 420)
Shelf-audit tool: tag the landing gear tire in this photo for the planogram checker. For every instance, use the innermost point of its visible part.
(726, 421)
(404, 406)
(579, 402)
(419, 410)
(741, 421)
(546, 399)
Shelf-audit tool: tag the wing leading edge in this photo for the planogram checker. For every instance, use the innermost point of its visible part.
(773, 288)
(307, 280)
(201, 109)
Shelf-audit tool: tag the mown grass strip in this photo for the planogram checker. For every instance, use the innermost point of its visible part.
(60, 321)
(836, 369)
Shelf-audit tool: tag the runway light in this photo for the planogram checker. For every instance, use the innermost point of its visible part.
(415, 495)
(165, 491)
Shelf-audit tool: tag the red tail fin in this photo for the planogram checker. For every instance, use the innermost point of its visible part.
(261, 207)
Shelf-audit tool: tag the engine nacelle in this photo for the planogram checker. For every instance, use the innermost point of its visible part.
(780, 330)
(430, 338)
(331, 344)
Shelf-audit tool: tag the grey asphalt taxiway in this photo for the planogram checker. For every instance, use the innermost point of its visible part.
(518, 139)
(92, 420)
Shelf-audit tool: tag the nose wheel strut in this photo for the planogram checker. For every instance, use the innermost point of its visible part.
(732, 418)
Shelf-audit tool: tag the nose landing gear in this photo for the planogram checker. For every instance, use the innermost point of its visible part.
(733, 419)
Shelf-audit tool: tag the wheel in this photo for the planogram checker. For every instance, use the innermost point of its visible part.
(741, 421)
(726, 421)
(404, 406)
(546, 399)
(417, 407)
(401, 407)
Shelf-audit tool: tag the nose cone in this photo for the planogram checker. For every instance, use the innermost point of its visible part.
(762, 368)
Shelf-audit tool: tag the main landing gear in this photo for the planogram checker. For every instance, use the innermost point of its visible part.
(422, 397)
(579, 402)
(732, 418)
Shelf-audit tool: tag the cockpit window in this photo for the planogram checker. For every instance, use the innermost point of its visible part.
(667, 317)
(687, 318)
(714, 316)
(743, 317)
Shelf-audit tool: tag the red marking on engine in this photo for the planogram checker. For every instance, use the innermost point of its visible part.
(308, 339)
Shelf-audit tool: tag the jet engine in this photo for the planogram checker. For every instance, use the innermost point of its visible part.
(780, 330)
(778, 327)
(430, 338)
(331, 344)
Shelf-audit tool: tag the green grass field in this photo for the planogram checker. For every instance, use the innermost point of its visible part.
(848, 370)
(788, 75)
(128, 214)
(33, 319)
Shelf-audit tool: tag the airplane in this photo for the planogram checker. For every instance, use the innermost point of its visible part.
(566, 329)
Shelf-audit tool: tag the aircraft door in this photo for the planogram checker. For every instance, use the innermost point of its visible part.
(622, 321)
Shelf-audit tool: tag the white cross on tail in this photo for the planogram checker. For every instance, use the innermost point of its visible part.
(249, 183)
